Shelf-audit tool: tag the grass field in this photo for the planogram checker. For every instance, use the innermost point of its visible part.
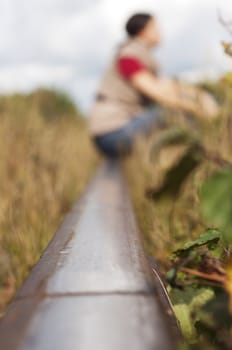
(46, 161)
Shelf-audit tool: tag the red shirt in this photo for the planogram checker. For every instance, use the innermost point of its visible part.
(129, 65)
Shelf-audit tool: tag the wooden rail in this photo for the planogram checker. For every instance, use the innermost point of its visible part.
(93, 287)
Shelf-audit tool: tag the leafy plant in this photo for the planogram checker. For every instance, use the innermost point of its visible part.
(209, 238)
(187, 305)
(216, 201)
(186, 159)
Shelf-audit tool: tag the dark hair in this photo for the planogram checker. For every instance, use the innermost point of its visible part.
(137, 23)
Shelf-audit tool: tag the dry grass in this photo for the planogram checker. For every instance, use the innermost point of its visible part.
(44, 167)
(141, 174)
(168, 223)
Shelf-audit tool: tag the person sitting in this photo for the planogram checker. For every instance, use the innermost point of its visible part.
(131, 94)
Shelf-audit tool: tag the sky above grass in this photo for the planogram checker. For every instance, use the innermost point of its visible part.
(67, 44)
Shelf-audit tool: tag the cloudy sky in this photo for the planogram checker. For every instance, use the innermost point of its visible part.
(68, 43)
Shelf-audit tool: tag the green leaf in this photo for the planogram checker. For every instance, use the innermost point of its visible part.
(179, 172)
(216, 201)
(207, 238)
(170, 275)
(187, 304)
(177, 152)
(175, 136)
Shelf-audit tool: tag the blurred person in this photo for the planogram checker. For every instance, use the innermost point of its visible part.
(131, 94)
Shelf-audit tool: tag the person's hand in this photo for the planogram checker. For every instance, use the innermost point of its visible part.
(207, 105)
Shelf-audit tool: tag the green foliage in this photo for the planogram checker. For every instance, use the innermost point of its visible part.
(197, 272)
(187, 304)
(216, 201)
(191, 154)
(176, 176)
(193, 302)
(204, 318)
(209, 238)
(197, 260)
(174, 136)
(214, 322)
(51, 105)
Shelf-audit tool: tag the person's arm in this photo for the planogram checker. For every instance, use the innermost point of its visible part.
(132, 69)
(174, 95)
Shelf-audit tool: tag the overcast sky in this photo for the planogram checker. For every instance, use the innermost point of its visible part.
(68, 43)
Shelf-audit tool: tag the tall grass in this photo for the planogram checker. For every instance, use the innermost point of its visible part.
(46, 161)
(168, 222)
(144, 173)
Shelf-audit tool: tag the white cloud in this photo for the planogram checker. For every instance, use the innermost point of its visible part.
(68, 43)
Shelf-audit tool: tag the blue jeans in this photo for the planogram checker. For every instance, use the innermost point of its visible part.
(120, 142)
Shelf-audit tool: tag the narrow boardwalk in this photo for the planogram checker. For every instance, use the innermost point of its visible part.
(93, 287)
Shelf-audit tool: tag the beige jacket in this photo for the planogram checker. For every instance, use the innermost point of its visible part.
(123, 100)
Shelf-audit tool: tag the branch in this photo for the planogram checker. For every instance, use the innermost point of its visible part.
(212, 277)
(226, 24)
